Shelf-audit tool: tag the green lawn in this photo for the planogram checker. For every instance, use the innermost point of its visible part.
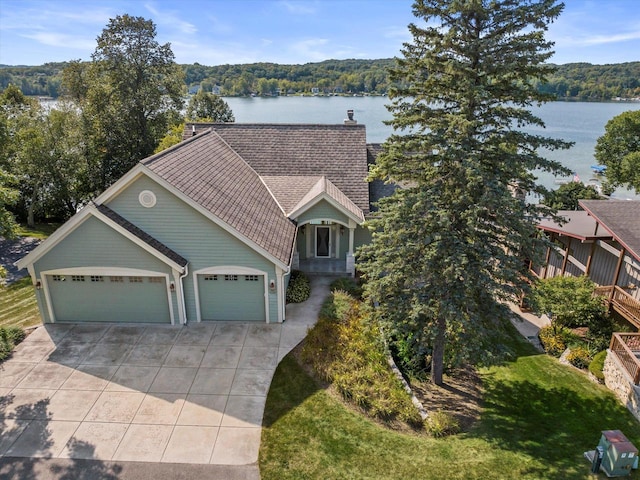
(18, 304)
(539, 417)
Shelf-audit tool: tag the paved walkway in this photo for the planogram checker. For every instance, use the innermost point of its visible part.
(528, 324)
(142, 393)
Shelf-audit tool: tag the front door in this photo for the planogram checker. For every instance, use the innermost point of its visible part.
(323, 241)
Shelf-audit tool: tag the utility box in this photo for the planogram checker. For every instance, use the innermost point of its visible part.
(620, 454)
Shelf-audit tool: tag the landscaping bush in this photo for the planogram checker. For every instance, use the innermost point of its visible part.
(440, 423)
(299, 287)
(348, 285)
(9, 338)
(579, 356)
(553, 340)
(345, 350)
(569, 300)
(597, 365)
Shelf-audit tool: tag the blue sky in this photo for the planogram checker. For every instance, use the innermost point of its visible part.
(213, 32)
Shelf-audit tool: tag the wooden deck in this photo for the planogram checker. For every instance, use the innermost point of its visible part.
(621, 302)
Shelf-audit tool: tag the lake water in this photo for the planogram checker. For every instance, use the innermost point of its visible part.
(579, 122)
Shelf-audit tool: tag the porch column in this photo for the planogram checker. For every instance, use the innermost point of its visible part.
(281, 294)
(566, 256)
(616, 275)
(351, 260)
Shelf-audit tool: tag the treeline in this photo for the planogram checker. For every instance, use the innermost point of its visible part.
(580, 81)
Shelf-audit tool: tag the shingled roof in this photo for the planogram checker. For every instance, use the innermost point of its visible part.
(620, 218)
(294, 192)
(208, 171)
(338, 152)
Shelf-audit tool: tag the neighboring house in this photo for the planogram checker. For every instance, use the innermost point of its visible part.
(602, 242)
(211, 228)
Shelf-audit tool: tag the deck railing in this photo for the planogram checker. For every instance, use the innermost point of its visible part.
(622, 302)
(626, 346)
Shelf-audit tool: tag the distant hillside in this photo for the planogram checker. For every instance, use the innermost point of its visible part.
(580, 81)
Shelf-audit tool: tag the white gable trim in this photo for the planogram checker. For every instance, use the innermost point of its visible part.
(332, 201)
(77, 220)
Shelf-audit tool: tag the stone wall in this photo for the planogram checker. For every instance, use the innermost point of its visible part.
(620, 382)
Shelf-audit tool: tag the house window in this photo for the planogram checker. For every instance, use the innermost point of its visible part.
(231, 278)
(59, 278)
(116, 279)
(155, 279)
(135, 279)
(97, 278)
(211, 277)
(251, 278)
(77, 278)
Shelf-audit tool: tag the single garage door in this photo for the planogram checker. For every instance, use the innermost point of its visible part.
(231, 297)
(103, 298)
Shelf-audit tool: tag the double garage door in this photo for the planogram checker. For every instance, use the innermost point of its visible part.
(232, 297)
(104, 298)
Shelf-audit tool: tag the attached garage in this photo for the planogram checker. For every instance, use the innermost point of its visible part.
(108, 298)
(231, 296)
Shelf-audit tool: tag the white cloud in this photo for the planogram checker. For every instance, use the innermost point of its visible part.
(61, 40)
(171, 19)
(298, 8)
(311, 49)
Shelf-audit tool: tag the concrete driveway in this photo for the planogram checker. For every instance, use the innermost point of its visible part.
(141, 393)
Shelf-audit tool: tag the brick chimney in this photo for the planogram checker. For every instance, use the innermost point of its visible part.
(349, 120)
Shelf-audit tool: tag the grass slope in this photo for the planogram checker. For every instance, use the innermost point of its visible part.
(18, 305)
(539, 417)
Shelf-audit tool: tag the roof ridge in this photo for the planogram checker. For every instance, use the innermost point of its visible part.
(181, 143)
(272, 195)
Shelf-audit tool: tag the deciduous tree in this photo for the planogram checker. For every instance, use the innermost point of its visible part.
(129, 94)
(207, 107)
(619, 150)
(448, 247)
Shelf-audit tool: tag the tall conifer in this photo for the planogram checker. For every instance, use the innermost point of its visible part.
(449, 246)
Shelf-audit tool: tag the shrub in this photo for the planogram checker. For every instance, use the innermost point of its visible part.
(570, 301)
(348, 285)
(345, 349)
(597, 365)
(9, 338)
(440, 423)
(579, 356)
(299, 287)
(552, 341)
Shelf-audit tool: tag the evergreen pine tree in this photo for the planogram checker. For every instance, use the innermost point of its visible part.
(448, 247)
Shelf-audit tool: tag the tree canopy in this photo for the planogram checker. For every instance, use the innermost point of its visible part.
(129, 95)
(566, 196)
(448, 247)
(582, 81)
(619, 150)
(207, 107)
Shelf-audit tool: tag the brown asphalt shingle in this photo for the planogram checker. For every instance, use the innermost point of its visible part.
(214, 176)
(338, 152)
(620, 218)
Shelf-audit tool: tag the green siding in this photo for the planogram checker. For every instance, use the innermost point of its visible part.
(362, 236)
(203, 243)
(94, 244)
(323, 210)
(223, 298)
